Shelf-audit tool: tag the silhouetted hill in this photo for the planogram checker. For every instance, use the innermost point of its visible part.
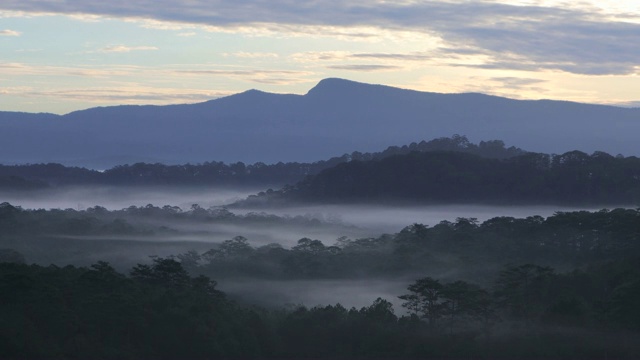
(455, 177)
(234, 174)
(18, 183)
(336, 116)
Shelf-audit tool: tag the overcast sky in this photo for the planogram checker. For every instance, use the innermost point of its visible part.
(64, 55)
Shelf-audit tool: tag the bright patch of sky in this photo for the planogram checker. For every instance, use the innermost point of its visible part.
(64, 56)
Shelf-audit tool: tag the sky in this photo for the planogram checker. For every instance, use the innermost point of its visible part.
(63, 55)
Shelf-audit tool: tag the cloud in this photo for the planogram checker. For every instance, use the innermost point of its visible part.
(581, 38)
(126, 49)
(169, 73)
(315, 56)
(241, 72)
(363, 67)
(18, 69)
(121, 94)
(505, 86)
(252, 55)
(512, 87)
(7, 32)
(273, 77)
(516, 82)
(396, 56)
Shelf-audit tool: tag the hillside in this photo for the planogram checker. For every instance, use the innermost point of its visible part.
(453, 177)
(221, 174)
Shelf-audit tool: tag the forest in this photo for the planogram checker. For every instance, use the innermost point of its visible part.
(159, 311)
(454, 177)
(562, 286)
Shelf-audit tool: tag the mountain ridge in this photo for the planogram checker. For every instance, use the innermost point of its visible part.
(335, 116)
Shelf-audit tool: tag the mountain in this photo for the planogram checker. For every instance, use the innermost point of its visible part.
(334, 117)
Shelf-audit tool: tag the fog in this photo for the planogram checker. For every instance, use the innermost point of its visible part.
(258, 235)
(334, 221)
(391, 219)
(116, 198)
(349, 293)
(354, 221)
(375, 218)
(121, 252)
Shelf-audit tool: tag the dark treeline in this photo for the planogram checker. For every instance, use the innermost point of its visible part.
(449, 177)
(14, 182)
(34, 176)
(159, 311)
(471, 249)
(145, 221)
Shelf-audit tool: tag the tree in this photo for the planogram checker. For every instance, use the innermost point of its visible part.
(309, 246)
(236, 248)
(425, 298)
(522, 289)
(166, 272)
(463, 300)
(190, 259)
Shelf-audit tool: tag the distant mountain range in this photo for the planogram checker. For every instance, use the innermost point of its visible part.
(333, 118)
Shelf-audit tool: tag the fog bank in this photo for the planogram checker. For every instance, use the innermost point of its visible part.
(116, 198)
(392, 219)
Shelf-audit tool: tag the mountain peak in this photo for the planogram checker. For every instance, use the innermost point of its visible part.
(336, 88)
(333, 85)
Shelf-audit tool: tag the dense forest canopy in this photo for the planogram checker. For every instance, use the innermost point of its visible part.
(454, 177)
(160, 311)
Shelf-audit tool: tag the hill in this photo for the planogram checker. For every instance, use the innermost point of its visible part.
(232, 175)
(453, 177)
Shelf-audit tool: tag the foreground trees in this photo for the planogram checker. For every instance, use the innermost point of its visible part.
(159, 311)
(459, 303)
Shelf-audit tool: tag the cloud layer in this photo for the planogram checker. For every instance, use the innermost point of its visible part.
(582, 40)
(125, 49)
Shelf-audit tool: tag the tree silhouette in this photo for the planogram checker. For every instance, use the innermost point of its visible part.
(425, 298)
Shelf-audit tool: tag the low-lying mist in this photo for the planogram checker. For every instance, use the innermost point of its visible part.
(128, 237)
(391, 219)
(120, 197)
(348, 292)
(377, 218)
